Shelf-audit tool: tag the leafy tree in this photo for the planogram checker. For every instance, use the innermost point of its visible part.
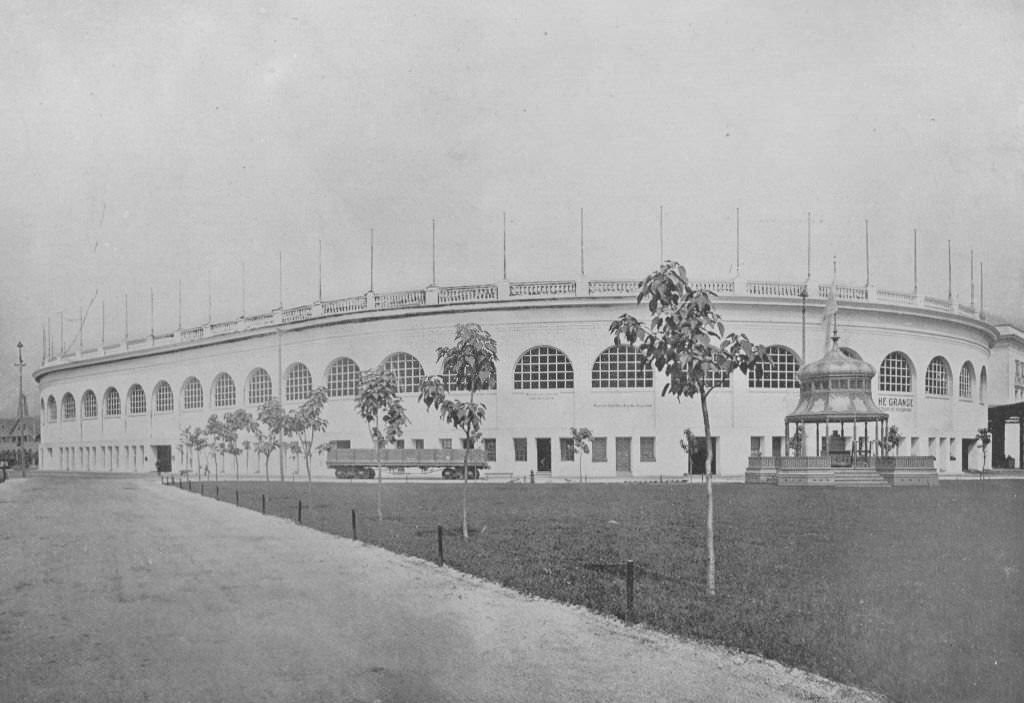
(471, 364)
(892, 440)
(303, 423)
(247, 446)
(380, 407)
(581, 439)
(985, 438)
(272, 415)
(194, 438)
(235, 423)
(686, 341)
(220, 439)
(798, 442)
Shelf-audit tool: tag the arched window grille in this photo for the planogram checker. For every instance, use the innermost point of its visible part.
(343, 378)
(407, 370)
(136, 400)
(223, 391)
(542, 367)
(111, 403)
(260, 387)
(89, 406)
(192, 394)
(716, 379)
(298, 382)
(163, 398)
(895, 374)
(67, 407)
(780, 372)
(936, 377)
(621, 367)
(967, 381)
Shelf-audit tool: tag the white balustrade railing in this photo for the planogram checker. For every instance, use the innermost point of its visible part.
(546, 289)
(890, 296)
(614, 287)
(493, 293)
(409, 298)
(774, 289)
(467, 294)
(337, 307)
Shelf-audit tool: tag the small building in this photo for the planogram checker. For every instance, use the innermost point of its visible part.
(837, 435)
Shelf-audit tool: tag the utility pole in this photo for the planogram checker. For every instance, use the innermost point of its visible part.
(21, 408)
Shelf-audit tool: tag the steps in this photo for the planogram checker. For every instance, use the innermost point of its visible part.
(858, 478)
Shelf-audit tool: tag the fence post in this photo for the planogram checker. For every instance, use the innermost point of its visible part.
(630, 615)
(202, 489)
(440, 546)
(300, 512)
(216, 490)
(263, 500)
(354, 537)
(236, 499)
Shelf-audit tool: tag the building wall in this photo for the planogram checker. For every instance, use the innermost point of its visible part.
(741, 417)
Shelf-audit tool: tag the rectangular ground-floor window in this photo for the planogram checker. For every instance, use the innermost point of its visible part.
(599, 449)
(399, 444)
(446, 443)
(778, 446)
(565, 444)
(491, 447)
(519, 446)
(647, 449)
(417, 444)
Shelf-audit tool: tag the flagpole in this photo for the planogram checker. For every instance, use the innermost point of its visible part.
(433, 252)
(867, 254)
(504, 248)
(371, 259)
(320, 270)
(582, 273)
(949, 268)
(737, 242)
(972, 278)
(915, 261)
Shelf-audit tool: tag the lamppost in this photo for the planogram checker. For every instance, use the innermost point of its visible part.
(21, 408)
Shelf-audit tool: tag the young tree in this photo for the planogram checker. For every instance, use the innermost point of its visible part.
(220, 438)
(686, 341)
(265, 445)
(247, 446)
(304, 422)
(380, 406)
(985, 438)
(470, 364)
(892, 440)
(581, 439)
(273, 416)
(235, 423)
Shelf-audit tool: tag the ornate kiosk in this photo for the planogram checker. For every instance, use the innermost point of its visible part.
(836, 435)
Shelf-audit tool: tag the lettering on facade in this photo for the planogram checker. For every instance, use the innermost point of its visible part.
(623, 405)
(895, 402)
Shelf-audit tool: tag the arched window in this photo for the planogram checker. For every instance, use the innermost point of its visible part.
(621, 367)
(42, 408)
(223, 391)
(163, 398)
(780, 372)
(407, 370)
(298, 382)
(111, 403)
(343, 377)
(67, 407)
(51, 409)
(895, 374)
(542, 367)
(259, 389)
(192, 394)
(936, 377)
(136, 400)
(89, 407)
(967, 381)
(983, 386)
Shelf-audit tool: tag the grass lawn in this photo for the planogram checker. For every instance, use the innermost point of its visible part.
(915, 593)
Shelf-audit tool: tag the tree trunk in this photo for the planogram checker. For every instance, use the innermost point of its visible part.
(465, 486)
(708, 460)
(380, 477)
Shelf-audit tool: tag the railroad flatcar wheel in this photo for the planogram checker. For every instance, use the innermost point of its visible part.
(448, 473)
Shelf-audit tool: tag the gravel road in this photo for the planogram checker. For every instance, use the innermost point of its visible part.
(120, 589)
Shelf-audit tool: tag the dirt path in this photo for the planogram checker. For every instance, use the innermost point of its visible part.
(120, 589)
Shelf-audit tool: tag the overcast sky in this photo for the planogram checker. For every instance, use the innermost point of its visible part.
(145, 143)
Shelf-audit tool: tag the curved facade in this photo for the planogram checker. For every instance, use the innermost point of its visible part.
(118, 407)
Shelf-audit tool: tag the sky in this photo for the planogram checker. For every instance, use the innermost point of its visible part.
(143, 144)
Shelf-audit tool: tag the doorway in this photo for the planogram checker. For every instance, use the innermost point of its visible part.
(623, 455)
(163, 457)
(699, 456)
(966, 445)
(543, 454)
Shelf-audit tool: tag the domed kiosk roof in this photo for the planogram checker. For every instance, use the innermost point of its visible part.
(836, 388)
